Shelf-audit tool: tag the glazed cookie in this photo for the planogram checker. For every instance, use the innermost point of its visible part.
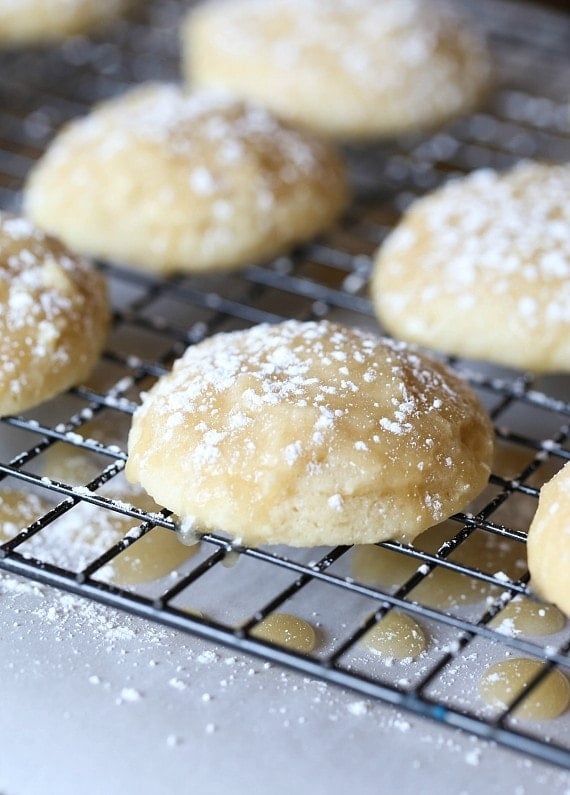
(352, 69)
(192, 182)
(548, 543)
(307, 434)
(53, 316)
(24, 22)
(481, 269)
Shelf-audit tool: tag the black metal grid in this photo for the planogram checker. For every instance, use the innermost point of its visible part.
(156, 319)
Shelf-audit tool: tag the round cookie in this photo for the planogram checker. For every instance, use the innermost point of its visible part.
(192, 182)
(308, 434)
(24, 22)
(54, 316)
(352, 69)
(481, 268)
(548, 543)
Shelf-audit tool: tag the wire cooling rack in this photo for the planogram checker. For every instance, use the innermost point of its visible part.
(63, 461)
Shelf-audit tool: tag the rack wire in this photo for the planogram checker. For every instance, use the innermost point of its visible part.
(68, 455)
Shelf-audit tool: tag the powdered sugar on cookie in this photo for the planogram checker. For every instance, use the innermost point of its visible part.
(481, 268)
(47, 297)
(194, 181)
(389, 64)
(303, 411)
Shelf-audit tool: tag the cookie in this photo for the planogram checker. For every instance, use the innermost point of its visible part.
(307, 434)
(25, 22)
(548, 543)
(192, 182)
(481, 269)
(54, 316)
(351, 69)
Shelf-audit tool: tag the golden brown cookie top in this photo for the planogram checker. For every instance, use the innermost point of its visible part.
(481, 268)
(208, 126)
(53, 314)
(193, 182)
(393, 65)
(316, 416)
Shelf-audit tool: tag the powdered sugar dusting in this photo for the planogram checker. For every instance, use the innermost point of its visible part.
(199, 163)
(238, 383)
(210, 129)
(293, 363)
(44, 291)
(513, 229)
(394, 51)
